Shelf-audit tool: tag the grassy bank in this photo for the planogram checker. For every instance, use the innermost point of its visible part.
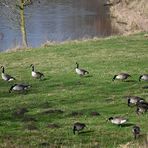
(63, 98)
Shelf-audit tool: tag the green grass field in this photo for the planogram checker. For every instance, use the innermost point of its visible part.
(63, 98)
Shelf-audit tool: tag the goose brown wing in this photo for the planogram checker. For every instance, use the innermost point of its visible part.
(40, 74)
(9, 77)
(125, 74)
(84, 71)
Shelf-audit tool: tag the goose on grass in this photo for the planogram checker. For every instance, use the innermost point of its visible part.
(5, 76)
(121, 76)
(19, 88)
(142, 107)
(79, 71)
(36, 74)
(117, 120)
(143, 77)
(136, 131)
(78, 127)
(133, 100)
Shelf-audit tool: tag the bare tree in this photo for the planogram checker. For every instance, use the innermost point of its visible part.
(14, 11)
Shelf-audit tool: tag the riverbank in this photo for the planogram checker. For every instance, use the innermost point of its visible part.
(44, 116)
(129, 16)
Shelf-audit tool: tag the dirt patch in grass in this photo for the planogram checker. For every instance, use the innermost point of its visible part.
(44, 144)
(53, 125)
(31, 126)
(20, 112)
(53, 111)
(94, 113)
(29, 118)
(74, 113)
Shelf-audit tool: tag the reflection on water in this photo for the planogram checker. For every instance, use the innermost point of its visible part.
(59, 20)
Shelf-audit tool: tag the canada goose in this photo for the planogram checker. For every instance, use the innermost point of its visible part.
(136, 131)
(36, 74)
(80, 71)
(142, 107)
(145, 87)
(121, 76)
(78, 126)
(19, 88)
(5, 76)
(134, 100)
(143, 77)
(117, 120)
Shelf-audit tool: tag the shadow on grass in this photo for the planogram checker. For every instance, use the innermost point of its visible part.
(88, 76)
(86, 132)
(130, 81)
(127, 125)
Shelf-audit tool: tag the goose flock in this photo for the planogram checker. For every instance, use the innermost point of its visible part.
(20, 87)
(140, 103)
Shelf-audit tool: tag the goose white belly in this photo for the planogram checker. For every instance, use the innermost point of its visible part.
(17, 88)
(4, 77)
(120, 77)
(7, 77)
(118, 121)
(78, 71)
(134, 101)
(144, 77)
(33, 73)
(11, 79)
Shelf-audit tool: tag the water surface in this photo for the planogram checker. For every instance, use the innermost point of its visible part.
(58, 20)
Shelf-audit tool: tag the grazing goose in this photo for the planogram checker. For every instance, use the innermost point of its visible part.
(80, 71)
(36, 74)
(143, 77)
(121, 76)
(78, 126)
(134, 100)
(19, 88)
(145, 87)
(5, 76)
(117, 120)
(136, 131)
(142, 107)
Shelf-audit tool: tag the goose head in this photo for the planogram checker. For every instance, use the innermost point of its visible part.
(32, 66)
(2, 67)
(77, 65)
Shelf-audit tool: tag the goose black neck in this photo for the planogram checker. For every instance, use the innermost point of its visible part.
(74, 129)
(11, 89)
(77, 65)
(3, 70)
(114, 77)
(140, 78)
(32, 67)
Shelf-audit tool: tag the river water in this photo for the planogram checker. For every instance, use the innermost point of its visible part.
(58, 20)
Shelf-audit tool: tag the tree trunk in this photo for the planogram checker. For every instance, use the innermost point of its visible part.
(22, 24)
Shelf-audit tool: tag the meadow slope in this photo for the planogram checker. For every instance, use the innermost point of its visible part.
(63, 97)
